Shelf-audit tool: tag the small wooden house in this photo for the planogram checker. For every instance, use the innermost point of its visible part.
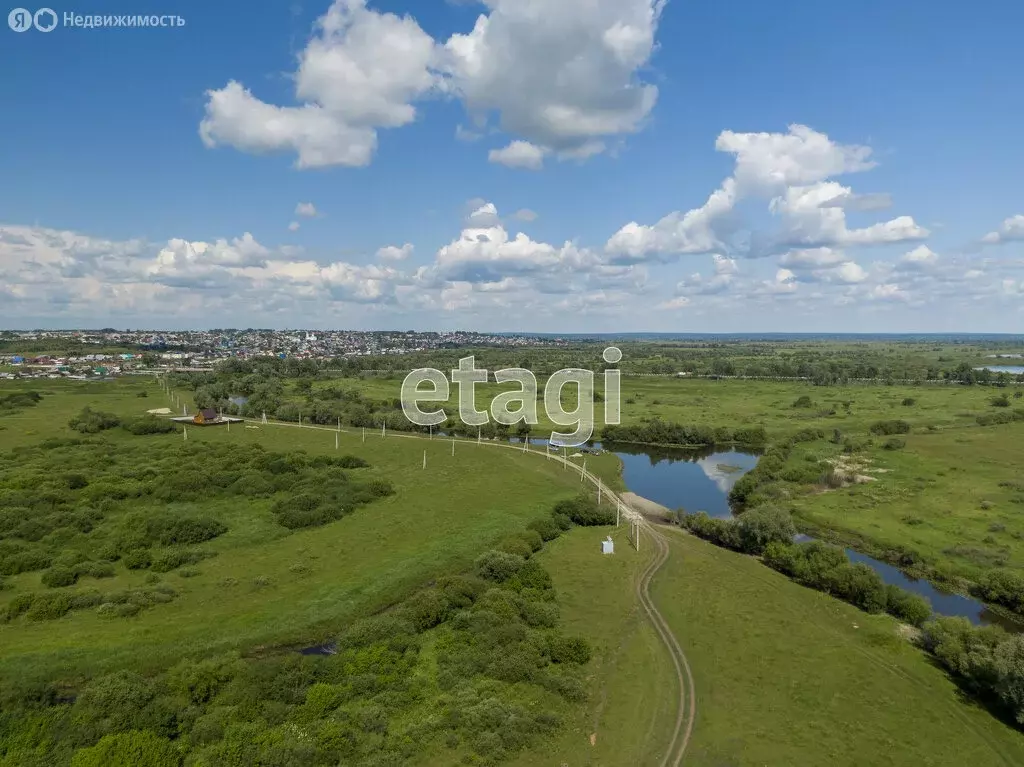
(206, 417)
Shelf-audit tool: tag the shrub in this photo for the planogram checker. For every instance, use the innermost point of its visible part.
(129, 749)
(90, 421)
(150, 424)
(884, 428)
(532, 539)
(516, 546)
(172, 560)
(894, 443)
(569, 650)
(563, 521)
(1002, 587)
(460, 591)
(584, 510)
(803, 402)
(295, 519)
(48, 606)
(96, 569)
(498, 565)
(808, 435)
(721, 532)
(169, 530)
(76, 481)
(57, 576)
(1001, 401)
(859, 585)
(909, 402)
(548, 529)
(137, 559)
(23, 562)
(907, 607)
(429, 609)
(763, 525)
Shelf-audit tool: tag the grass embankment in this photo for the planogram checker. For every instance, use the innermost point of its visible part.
(784, 675)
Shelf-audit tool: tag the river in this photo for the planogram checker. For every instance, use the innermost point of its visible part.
(700, 480)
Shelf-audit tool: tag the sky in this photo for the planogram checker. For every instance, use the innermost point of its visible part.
(517, 165)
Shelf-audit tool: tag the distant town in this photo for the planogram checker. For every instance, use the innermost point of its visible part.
(70, 353)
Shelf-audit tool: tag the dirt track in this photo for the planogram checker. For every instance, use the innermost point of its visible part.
(687, 709)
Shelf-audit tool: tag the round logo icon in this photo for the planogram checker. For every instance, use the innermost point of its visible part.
(45, 20)
(20, 20)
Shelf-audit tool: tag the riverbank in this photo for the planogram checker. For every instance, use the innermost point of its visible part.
(651, 510)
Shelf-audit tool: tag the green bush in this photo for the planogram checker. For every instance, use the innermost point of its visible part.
(137, 559)
(907, 607)
(894, 443)
(585, 511)
(909, 402)
(569, 650)
(763, 525)
(1002, 587)
(129, 749)
(547, 528)
(169, 530)
(96, 569)
(498, 565)
(533, 539)
(48, 606)
(564, 521)
(56, 577)
(721, 532)
(884, 428)
(150, 424)
(172, 560)
(90, 421)
(516, 546)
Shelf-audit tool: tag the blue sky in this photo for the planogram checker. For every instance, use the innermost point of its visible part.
(863, 161)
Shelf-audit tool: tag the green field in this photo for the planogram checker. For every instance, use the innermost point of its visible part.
(784, 674)
(954, 496)
(745, 403)
(437, 522)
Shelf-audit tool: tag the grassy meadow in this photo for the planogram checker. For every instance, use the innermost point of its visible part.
(786, 675)
(268, 585)
(850, 408)
(955, 496)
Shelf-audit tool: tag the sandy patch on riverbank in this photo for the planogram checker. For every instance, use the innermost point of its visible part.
(160, 411)
(647, 507)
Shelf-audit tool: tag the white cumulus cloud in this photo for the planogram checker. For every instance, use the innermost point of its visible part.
(395, 253)
(1011, 229)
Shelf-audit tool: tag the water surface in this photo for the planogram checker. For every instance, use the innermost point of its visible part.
(701, 480)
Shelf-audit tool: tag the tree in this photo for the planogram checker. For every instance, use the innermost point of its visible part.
(763, 525)
(1009, 669)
